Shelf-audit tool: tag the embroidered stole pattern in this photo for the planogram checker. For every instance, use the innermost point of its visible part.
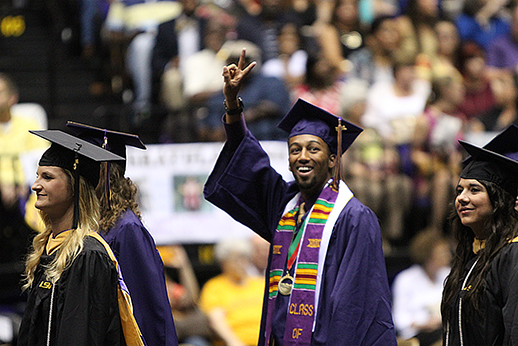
(301, 310)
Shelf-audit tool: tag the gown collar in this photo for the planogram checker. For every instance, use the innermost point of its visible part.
(55, 242)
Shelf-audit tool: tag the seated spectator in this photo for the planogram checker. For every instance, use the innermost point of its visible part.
(92, 13)
(176, 40)
(445, 61)
(233, 299)
(132, 26)
(15, 140)
(434, 151)
(290, 66)
(502, 53)
(304, 12)
(417, 291)
(393, 106)
(483, 21)
(262, 28)
(207, 65)
(375, 61)
(392, 110)
(186, 88)
(417, 26)
(267, 100)
(342, 35)
(505, 90)
(321, 86)
(191, 324)
(479, 98)
(372, 170)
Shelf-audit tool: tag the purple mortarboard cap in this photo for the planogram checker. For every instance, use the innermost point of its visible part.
(488, 165)
(113, 141)
(307, 119)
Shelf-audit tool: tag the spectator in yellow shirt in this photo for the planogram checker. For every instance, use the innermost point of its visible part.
(233, 299)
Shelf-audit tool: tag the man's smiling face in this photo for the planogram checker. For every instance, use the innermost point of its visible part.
(310, 162)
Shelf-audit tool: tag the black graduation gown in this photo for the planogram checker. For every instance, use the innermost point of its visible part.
(497, 321)
(85, 306)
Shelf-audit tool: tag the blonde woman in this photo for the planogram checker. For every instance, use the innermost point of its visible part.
(72, 281)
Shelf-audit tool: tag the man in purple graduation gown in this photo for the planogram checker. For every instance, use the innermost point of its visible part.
(338, 295)
(132, 244)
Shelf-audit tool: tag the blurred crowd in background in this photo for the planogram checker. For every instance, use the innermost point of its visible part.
(417, 75)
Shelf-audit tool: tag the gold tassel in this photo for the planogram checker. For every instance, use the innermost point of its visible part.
(338, 171)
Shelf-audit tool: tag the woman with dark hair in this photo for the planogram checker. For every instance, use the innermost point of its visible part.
(322, 86)
(480, 297)
(342, 35)
(70, 272)
(435, 155)
(133, 245)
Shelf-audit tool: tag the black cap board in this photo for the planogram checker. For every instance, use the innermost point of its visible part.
(488, 165)
(505, 143)
(111, 140)
(76, 155)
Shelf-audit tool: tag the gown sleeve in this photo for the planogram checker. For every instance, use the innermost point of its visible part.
(89, 309)
(244, 185)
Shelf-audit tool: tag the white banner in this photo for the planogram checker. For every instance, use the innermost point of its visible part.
(170, 178)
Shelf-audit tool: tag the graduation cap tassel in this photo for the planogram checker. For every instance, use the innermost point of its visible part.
(107, 190)
(337, 176)
(76, 193)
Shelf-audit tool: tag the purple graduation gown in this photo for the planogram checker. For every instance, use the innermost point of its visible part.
(355, 304)
(143, 272)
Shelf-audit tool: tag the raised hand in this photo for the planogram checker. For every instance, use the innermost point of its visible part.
(233, 76)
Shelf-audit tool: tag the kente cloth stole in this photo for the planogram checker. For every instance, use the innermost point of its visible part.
(301, 311)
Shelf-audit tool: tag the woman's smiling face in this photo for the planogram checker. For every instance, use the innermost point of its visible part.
(473, 205)
(53, 190)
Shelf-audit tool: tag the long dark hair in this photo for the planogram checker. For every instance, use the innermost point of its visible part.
(502, 226)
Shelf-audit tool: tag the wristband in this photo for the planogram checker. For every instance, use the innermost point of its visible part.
(235, 111)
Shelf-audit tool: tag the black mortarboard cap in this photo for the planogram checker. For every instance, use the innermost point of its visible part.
(488, 165)
(62, 153)
(505, 143)
(76, 155)
(305, 118)
(113, 141)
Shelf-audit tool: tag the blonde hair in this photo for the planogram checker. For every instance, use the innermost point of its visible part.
(88, 221)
